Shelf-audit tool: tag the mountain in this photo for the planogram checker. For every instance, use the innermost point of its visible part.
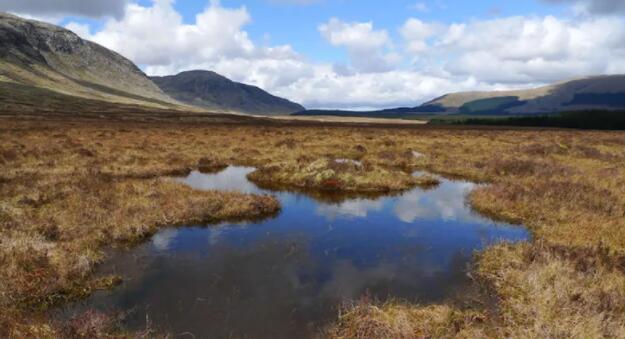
(38, 55)
(214, 92)
(605, 92)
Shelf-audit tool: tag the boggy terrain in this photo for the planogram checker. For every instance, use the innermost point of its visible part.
(72, 190)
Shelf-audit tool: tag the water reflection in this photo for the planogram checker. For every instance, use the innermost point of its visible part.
(283, 278)
(445, 202)
(232, 178)
(359, 208)
(162, 239)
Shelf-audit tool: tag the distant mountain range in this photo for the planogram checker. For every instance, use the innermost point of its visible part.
(212, 91)
(592, 93)
(597, 92)
(39, 61)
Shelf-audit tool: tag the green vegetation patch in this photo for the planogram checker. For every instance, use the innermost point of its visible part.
(601, 120)
(490, 106)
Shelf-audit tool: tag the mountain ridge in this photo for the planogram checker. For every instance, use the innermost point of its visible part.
(210, 90)
(43, 55)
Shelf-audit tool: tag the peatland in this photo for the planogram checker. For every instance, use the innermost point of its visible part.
(72, 190)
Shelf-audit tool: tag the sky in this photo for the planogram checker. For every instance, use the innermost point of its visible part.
(355, 54)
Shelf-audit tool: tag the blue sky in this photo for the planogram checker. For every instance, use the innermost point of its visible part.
(355, 54)
(290, 22)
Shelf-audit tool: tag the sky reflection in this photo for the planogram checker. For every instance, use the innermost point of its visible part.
(285, 277)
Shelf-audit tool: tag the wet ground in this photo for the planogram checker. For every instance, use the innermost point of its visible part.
(285, 277)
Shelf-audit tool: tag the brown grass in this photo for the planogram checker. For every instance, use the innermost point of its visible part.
(393, 319)
(69, 189)
(332, 175)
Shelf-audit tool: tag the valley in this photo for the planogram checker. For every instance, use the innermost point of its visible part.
(192, 205)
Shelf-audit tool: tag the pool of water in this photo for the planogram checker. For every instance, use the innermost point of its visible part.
(285, 277)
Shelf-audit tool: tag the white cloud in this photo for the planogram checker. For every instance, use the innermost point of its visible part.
(156, 38)
(365, 46)
(525, 50)
(417, 33)
(157, 35)
(434, 58)
(354, 35)
(421, 7)
(327, 89)
(82, 30)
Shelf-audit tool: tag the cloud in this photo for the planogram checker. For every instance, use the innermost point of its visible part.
(416, 33)
(364, 45)
(522, 50)
(231, 179)
(446, 202)
(358, 208)
(295, 2)
(420, 7)
(600, 7)
(425, 60)
(157, 39)
(88, 8)
(82, 30)
(157, 35)
(163, 239)
(327, 89)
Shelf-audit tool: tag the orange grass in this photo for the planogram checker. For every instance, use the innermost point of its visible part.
(70, 188)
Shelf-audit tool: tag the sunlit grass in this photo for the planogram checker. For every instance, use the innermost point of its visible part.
(68, 191)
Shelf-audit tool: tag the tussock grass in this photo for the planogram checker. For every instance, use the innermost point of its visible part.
(69, 189)
(550, 293)
(332, 175)
(394, 319)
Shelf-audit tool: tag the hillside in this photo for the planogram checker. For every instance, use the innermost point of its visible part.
(40, 55)
(598, 93)
(214, 92)
(606, 93)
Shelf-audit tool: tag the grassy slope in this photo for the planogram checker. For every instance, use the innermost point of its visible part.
(51, 57)
(43, 78)
(61, 181)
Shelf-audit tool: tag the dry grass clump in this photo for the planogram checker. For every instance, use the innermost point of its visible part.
(90, 324)
(210, 165)
(546, 294)
(396, 320)
(338, 175)
(559, 210)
